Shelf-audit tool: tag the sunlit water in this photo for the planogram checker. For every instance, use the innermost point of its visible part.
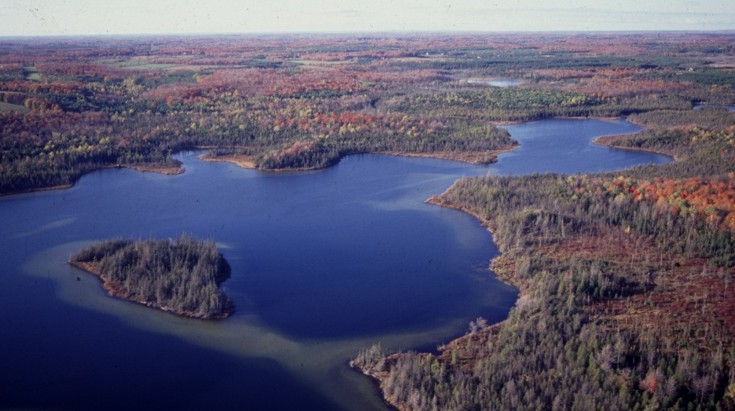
(323, 263)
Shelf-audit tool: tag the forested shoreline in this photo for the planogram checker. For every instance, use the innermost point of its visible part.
(626, 286)
(71, 106)
(178, 275)
(626, 278)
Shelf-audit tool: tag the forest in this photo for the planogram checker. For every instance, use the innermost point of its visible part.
(179, 275)
(69, 106)
(626, 285)
(626, 279)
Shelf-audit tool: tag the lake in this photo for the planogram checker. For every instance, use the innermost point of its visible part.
(501, 83)
(324, 263)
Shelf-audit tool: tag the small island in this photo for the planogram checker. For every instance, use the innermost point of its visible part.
(180, 275)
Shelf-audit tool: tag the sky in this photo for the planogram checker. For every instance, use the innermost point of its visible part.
(102, 17)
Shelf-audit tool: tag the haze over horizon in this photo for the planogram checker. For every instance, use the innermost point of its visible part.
(89, 17)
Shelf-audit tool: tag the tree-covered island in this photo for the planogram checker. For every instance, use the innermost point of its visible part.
(180, 275)
(626, 279)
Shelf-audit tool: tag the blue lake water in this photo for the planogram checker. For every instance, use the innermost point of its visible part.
(324, 263)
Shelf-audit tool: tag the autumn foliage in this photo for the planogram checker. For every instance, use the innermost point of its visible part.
(711, 199)
(70, 106)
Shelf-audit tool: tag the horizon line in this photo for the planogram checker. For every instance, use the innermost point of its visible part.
(365, 33)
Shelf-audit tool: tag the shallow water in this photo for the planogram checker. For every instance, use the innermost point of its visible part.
(323, 263)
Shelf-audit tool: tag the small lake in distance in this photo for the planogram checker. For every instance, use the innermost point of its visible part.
(501, 83)
(324, 263)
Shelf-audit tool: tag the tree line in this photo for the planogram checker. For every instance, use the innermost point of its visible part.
(180, 275)
(624, 278)
(122, 104)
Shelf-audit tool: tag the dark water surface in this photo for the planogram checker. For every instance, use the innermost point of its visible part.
(323, 263)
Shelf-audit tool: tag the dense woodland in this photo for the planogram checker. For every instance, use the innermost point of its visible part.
(627, 295)
(181, 275)
(72, 105)
(627, 286)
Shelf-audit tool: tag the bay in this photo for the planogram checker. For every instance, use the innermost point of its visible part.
(324, 263)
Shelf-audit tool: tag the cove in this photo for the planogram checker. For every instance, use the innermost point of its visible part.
(324, 263)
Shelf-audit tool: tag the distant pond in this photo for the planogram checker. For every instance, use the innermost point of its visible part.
(502, 83)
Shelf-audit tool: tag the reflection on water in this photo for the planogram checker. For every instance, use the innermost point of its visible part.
(324, 264)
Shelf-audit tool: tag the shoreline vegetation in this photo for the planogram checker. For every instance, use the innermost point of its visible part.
(613, 142)
(483, 157)
(169, 170)
(612, 274)
(626, 279)
(241, 160)
(304, 103)
(154, 168)
(180, 276)
(249, 162)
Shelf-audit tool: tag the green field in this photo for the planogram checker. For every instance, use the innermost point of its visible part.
(30, 73)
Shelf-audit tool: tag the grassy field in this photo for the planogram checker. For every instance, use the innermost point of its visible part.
(31, 73)
(7, 107)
